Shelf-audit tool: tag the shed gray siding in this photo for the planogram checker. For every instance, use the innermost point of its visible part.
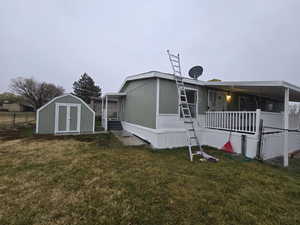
(168, 97)
(47, 116)
(139, 105)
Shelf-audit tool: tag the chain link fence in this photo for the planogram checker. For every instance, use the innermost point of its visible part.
(12, 119)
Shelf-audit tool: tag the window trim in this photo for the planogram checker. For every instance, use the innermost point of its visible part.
(197, 103)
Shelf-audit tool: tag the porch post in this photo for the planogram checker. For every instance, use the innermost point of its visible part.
(106, 109)
(286, 127)
(258, 113)
(102, 114)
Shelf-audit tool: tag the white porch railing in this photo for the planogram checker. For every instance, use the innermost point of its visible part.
(244, 121)
(114, 116)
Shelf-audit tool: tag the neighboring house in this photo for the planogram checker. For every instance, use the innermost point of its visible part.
(16, 107)
(148, 107)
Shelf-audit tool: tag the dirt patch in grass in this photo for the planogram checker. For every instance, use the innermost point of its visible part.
(95, 180)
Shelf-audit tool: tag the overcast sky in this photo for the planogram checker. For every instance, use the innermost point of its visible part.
(58, 40)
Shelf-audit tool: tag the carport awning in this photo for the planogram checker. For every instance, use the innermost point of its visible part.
(114, 94)
(271, 89)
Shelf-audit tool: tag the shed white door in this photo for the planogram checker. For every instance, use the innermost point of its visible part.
(67, 117)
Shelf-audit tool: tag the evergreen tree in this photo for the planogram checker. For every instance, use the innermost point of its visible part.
(86, 89)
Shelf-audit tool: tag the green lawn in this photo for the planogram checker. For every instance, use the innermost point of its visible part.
(94, 180)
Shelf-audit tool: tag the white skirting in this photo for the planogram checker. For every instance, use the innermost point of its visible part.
(273, 144)
(170, 133)
(173, 138)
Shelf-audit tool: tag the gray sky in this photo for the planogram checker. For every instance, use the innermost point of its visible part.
(58, 40)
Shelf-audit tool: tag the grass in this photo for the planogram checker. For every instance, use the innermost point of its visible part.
(95, 180)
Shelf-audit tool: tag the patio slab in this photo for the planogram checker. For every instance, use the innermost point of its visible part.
(128, 139)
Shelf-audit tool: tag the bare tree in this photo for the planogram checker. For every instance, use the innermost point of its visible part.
(34, 92)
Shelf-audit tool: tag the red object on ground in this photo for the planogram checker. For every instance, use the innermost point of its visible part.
(227, 147)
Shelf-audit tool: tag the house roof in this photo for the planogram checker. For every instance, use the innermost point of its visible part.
(157, 74)
(272, 89)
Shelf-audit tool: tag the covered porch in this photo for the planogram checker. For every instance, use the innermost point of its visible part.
(111, 110)
(260, 109)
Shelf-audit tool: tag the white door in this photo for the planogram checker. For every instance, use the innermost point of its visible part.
(217, 100)
(67, 117)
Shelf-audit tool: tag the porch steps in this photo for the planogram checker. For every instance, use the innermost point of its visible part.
(114, 125)
(186, 112)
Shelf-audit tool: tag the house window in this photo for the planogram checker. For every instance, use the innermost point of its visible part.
(192, 102)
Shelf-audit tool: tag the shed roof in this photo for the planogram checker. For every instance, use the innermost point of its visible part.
(61, 96)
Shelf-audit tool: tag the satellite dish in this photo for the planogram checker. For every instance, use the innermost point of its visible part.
(196, 72)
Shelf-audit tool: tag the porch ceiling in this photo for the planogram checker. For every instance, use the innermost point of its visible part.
(271, 89)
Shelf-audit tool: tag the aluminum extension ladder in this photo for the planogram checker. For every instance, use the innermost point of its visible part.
(186, 112)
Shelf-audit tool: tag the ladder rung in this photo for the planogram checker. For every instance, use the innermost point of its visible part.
(174, 56)
(188, 121)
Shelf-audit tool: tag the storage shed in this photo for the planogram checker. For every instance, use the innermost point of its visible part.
(65, 114)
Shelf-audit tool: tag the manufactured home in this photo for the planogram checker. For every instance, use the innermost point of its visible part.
(147, 106)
